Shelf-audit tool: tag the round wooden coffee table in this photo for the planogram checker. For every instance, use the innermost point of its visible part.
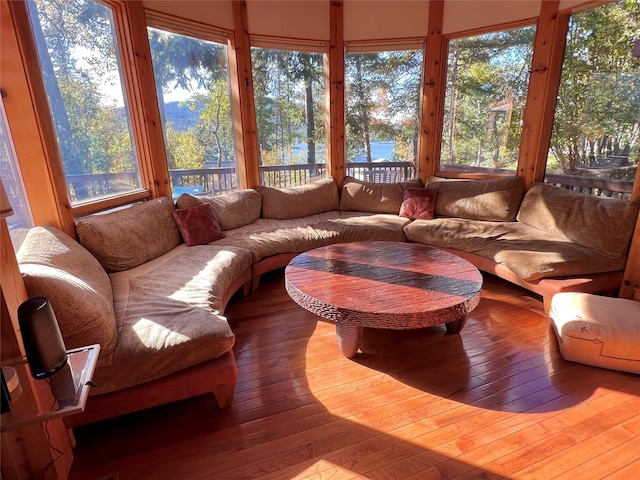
(389, 285)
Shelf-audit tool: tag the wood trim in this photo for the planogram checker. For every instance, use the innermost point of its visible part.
(88, 208)
(184, 26)
(137, 69)
(30, 122)
(433, 90)
(544, 81)
(335, 107)
(242, 99)
(473, 32)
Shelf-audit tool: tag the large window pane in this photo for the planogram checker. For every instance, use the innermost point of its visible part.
(192, 82)
(382, 109)
(20, 220)
(595, 143)
(289, 97)
(81, 69)
(487, 82)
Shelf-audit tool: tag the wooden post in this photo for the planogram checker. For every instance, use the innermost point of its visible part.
(433, 90)
(335, 111)
(241, 78)
(544, 81)
(137, 68)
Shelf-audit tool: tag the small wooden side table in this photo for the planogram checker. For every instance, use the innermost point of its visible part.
(70, 388)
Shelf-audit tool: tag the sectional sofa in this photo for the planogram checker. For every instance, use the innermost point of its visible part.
(150, 283)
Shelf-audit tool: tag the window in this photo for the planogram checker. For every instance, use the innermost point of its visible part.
(81, 69)
(192, 83)
(20, 221)
(595, 141)
(289, 92)
(487, 82)
(382, 100)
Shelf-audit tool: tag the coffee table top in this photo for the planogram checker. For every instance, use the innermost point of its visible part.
(384, 284)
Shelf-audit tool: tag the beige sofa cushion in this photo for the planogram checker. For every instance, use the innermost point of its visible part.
(232, 210)
(358, 195)
(295, 202)
(597, 330)
(130, 237)
(527, 251)
(57, 267)
(495, 199)
(168, 314)
(605, 224)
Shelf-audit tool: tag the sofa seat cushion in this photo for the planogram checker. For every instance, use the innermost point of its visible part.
(168, 314)
(269, 237)
(266, 243)
(316, 197)
(601, 223)
(597, 330)
(55, 266)
(129, 237)
(495, 199)
(530, 253)
(362, 227)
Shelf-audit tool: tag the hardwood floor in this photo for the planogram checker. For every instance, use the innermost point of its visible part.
(495, 401)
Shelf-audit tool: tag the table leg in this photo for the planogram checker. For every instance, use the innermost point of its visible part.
(348, 338)
(456, 325)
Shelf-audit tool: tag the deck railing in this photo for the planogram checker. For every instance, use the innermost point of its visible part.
(600, 187)
(218, 180)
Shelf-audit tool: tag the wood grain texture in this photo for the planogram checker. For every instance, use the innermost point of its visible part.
(497, 401)
(384, 284)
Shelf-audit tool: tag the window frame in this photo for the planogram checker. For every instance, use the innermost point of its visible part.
(207, 33)
(391, 45)
(438, 141)
(304, 46)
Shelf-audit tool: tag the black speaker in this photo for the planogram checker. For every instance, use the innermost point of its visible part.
(43, 343)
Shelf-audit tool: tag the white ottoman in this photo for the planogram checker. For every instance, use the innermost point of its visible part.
(596, 330)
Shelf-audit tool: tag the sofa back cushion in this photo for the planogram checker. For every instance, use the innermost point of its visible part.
(55, 266)
(492, 200)
(284, 203)
(605, 224)
(362, 196)
(232, 210)
(130, 237)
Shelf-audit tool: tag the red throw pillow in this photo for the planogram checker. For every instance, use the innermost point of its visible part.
(418, 203)
(198, 225)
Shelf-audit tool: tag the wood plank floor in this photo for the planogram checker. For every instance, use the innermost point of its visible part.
(496, 401)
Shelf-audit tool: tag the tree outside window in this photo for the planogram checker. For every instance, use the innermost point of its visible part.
(596, 129)
(289, 90)
(487, 83)
(80, 65)
(382, 96)
(192, 85)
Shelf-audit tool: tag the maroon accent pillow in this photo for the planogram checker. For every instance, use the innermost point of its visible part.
(418, 203)
(198, 225)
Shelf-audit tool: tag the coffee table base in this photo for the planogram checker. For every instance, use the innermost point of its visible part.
(349, 336)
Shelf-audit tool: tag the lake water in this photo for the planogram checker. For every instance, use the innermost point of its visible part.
(379, 150)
